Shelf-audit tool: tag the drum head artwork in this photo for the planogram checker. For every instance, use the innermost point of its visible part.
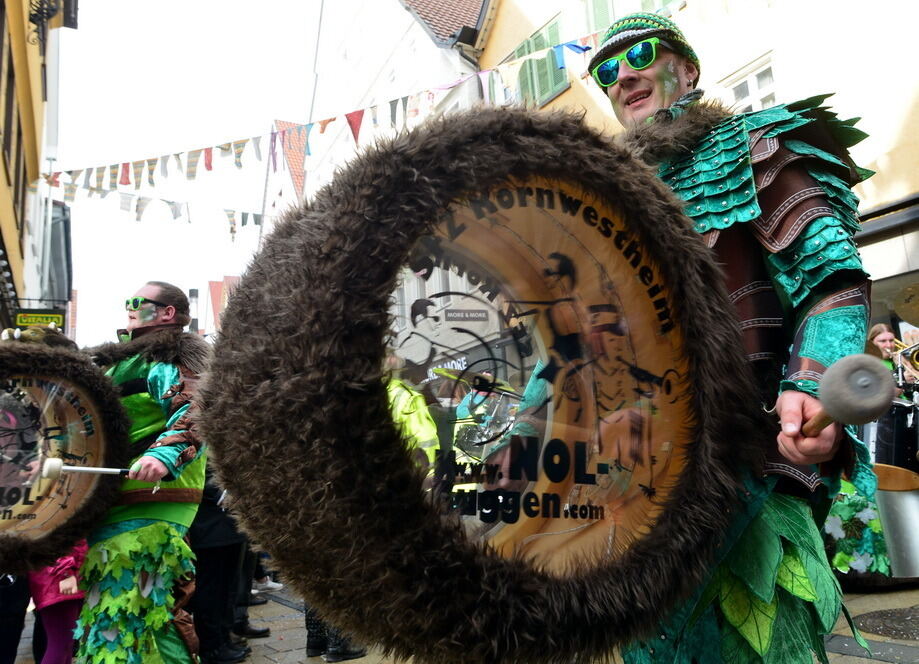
(53, 404)
(536, 291)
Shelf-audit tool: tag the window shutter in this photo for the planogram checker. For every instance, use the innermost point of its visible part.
(601, 14)
(557, 78)
(525, 77)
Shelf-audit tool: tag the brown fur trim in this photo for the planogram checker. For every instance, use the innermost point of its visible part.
(297, 418)
(170, 345)
(665, 139)
(17, 554)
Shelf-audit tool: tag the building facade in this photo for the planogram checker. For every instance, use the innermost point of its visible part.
(34, 234)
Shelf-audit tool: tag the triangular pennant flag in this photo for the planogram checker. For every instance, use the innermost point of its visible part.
(54, 179)
(325, 123)
(113, 176)
(70, 192)
(273, 151)
(191, 164)
(238, 147)
(231, 217)
(164, 165)
(208, 159)
(142, 202)
(299, 130)
(404, 110)
(178, 156)
(257, 146)
(126, 201)
(75, 175)
(138, 167)
(100, 176)
(87, 178)
(225, 148)
(373, 116)
(151, 169)
(306, 143)
(175, 208)
(245, 218)
(125, 174)
(393, 105)
(105, 192)
(413, 105)
(33, 187)
(283, 138)
(257, 219)
(354, 121)
(485, 80)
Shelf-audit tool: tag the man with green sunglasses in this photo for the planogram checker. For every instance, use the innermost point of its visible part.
(139, 542)
(769, 193)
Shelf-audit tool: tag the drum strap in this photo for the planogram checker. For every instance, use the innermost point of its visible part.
(168, 495)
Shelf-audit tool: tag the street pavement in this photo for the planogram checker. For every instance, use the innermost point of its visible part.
(894, 612)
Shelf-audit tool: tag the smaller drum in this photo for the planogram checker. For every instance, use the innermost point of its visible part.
(897, 438)
(897, 499)
(54, 404)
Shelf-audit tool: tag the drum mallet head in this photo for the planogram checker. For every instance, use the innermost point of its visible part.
(855, 389)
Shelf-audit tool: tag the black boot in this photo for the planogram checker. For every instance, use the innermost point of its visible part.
(340, 648)
(316, 641)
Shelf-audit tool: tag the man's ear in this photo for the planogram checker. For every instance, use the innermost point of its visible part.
(692, 73)
(169, 313)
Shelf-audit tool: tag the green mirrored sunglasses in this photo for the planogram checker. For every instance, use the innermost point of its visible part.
(638, 56)
(135, 303)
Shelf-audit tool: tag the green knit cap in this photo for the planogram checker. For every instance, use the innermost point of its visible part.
(636, 27)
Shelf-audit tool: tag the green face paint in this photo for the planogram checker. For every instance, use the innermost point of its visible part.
(146, 313)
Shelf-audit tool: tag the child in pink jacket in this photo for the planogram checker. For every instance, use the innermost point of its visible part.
(58, 599)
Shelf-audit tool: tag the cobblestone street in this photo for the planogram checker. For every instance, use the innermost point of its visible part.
(286, 645)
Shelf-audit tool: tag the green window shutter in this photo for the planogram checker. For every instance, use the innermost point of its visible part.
(600, 14)
(525, 76)
(556, 79)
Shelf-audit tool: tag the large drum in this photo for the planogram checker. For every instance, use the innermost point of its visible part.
(54, 403)
(541, 266)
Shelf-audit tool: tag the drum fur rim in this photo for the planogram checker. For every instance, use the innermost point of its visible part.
(297, 417)
(17, 555)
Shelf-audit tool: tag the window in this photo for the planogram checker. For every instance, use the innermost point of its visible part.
(10, 110)
(751, 88)
(540, 79)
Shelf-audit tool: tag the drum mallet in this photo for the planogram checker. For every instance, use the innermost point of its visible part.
(53, 467)
(855, 389)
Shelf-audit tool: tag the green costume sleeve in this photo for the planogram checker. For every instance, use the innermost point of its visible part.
(161, 378)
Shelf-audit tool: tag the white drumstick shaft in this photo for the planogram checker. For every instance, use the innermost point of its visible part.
(94, 469)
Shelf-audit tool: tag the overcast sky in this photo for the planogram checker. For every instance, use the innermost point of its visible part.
(139, 80)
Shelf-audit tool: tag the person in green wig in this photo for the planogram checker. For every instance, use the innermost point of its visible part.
(769, 192)
(138, 560)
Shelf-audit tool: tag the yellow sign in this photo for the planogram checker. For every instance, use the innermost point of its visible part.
(24, 319)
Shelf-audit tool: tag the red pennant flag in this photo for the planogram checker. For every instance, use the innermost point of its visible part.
(354, 121)
(125, 174)
(55, 179)
(209, 159)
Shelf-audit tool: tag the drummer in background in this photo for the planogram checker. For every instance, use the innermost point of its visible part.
(882, 343)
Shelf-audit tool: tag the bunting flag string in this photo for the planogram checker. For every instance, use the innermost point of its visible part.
(494, 84)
